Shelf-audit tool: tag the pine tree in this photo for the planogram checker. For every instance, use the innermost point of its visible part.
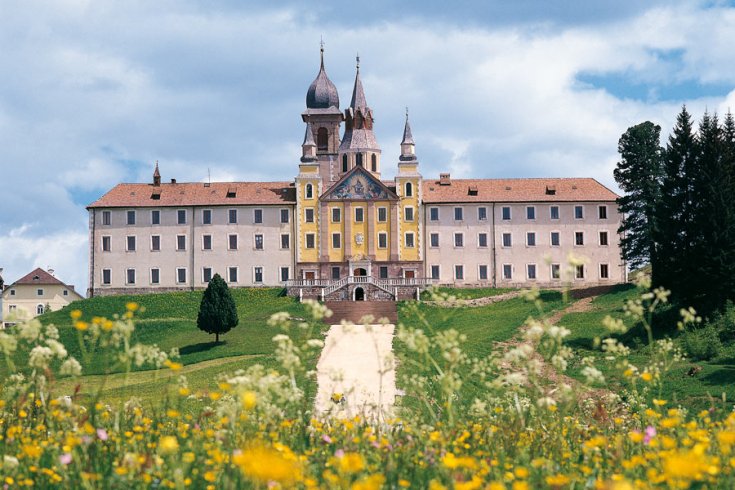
(712, 281)
(217, 312)
(639, 174)
(673, 211)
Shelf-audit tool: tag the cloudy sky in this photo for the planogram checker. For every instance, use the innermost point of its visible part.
(93, 92)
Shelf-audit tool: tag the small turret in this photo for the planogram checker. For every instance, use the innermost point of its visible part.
(408, 147)
(156, 176)
(308, 147)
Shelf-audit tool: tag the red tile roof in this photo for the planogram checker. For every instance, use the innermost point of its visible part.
(197, 194)
(516, 190)
(40, 277)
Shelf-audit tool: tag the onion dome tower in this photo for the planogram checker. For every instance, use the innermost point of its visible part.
(322, 113)
(359, 146)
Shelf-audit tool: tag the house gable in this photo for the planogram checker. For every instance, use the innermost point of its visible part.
(358, 184)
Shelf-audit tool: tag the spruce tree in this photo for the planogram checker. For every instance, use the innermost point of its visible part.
(673, 211)
(217, 311)
(712, 281)
(638, 174)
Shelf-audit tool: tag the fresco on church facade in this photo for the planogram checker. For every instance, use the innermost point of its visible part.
(359, 186)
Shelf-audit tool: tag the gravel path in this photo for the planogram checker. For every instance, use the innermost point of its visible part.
(357, 364)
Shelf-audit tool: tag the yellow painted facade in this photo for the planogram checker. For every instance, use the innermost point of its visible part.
(307, 192)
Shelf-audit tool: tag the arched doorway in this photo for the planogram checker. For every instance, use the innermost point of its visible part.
(359, 294)
(359, 271)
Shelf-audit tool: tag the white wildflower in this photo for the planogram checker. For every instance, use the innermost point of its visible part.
(614, 325)
(8, 344)
(315, 343)
(40, 357)
(29, 330)
(70, 367)
(57, 348)
(592, 375)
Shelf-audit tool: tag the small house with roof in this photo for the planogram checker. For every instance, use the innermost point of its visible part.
(34, 294)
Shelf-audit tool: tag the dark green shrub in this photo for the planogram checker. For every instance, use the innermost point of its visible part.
(703, 343)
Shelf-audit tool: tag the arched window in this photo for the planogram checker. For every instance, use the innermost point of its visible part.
(322, 139)
(409, 189)
(358, 159)
(374, 160)
(309, 191)
(344, 163)
(39, 310)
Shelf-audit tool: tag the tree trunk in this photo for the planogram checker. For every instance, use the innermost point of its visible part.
(216, 338)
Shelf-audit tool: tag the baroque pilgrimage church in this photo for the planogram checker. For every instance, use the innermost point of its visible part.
(339, 231)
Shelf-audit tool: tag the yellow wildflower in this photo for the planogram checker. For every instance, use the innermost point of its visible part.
(81, 326)
(351, 463)
(168, 445)
(131, 306)
(75, 314)
(264, 464)
(249, 400)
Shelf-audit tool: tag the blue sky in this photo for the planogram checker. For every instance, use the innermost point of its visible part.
(93, 92)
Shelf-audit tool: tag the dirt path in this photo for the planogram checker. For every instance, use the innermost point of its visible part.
(476, 302)
(356, 372)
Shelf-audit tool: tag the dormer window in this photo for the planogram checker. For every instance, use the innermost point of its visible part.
(231, 192)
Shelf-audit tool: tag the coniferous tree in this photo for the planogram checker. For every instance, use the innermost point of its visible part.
(712, 281)
(673, 211)
(217, 312)
(638, 174)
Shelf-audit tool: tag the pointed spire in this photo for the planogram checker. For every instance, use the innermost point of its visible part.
(308, 137)
(156, 176)
(308, 147)
(407, 136)
(358, 94)
(321, 50)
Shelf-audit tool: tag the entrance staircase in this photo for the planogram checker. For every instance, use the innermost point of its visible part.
(353, 311)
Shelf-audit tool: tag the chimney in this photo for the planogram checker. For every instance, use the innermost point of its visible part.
(51, 271)
(444, 179)
(173, 181)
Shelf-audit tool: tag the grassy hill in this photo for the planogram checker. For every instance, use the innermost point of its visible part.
(169, 321)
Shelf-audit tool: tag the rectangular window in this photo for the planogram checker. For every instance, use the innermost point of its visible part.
(336, 240)
(309, 215)
(181, 216)
(155, 276)
(258, 242)
(434, 214)
(66, 292)
(181, 275)
(285, 274)
(336, 215)
(459, 272)
(284, 216)
(555, 237)
(555, 271)
(180, 242)
(434, 240)
(206, 242)
(382, 215)
(604, 271)
(12, 292)
(602, 212)
(257, 216)
(603, 238)
(130, 246)
(531, 238)
(106, 276)
(482, 213)
(531, 271)
(507, 271)
(131, 217)
(458, 214)
(130, 276)
(482, 273)
(310, 239)
(579, 272)
(106, 218)
(506, 213)
(232, 216)
(459, 240)
(579, 238)
(435, 272)
(206, 216)
(359, 215)
(39, 292)
(155, 217)
(554, 212)
(482, 240)
(507, 240)
(335, 272)
(206, 274)
(382, 240)
(155, 243)
(408, 214)
(106, 243)
(530, 212)
(231, 242)
(258, 274)
(285, 241)
(409, 240)
(232, 273)
(578, 212)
